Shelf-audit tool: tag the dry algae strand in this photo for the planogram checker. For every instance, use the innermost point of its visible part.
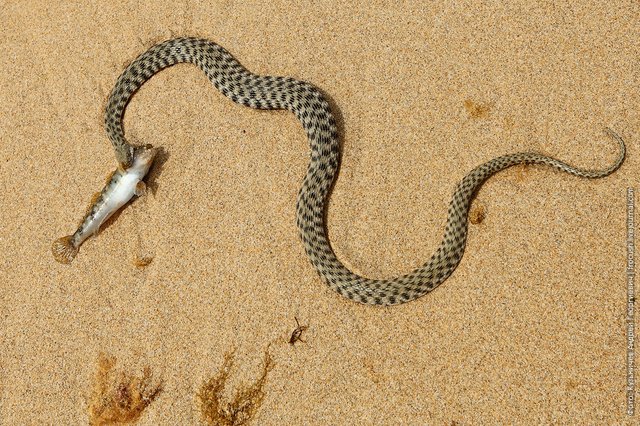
(120, 397)
(245, 403)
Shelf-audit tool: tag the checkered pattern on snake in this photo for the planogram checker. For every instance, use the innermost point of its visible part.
(310, 107)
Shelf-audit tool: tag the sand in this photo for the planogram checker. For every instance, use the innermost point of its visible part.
(530, 327)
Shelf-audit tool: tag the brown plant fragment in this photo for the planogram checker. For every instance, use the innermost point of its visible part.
(119, 397)
(244, 405)
(477, 215)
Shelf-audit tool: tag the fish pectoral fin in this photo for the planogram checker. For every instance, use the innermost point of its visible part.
(141, 189)
(97, 231)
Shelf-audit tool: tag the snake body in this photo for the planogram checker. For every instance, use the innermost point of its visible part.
(311, 108)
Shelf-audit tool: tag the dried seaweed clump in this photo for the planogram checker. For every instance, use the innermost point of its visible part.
(477, 215)
(245, 403)
(142, 261)
(122, 397)
(477, 110)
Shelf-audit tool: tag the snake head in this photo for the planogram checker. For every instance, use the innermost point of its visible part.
(143, 157)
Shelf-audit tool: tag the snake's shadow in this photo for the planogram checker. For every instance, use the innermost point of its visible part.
(162, 156)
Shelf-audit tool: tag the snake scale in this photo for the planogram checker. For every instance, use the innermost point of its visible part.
(311, 108)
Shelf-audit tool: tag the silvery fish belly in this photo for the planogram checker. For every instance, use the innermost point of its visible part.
(121, 186)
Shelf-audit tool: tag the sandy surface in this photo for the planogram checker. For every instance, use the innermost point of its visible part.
(530, 327)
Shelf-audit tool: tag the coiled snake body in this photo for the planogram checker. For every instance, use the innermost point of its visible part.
(313, 111)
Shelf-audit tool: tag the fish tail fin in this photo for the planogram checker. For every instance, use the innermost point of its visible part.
(64, 250)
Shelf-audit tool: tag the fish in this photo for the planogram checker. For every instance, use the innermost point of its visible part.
(121, 186)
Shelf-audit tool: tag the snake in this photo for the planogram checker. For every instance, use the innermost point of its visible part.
(312, 109)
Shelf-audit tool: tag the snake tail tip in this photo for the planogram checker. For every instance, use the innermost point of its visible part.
(63, 249)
